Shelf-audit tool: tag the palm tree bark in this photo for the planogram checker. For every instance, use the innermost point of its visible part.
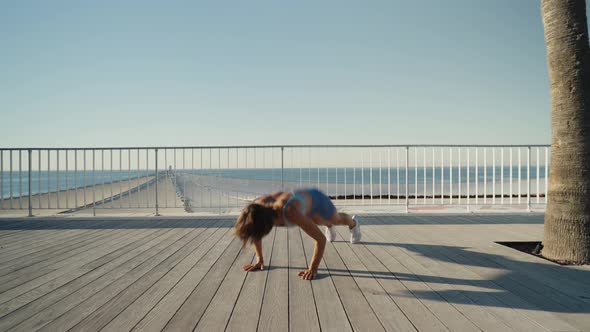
(567, 218)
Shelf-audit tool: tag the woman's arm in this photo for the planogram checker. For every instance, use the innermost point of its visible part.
(259, 259)
(311, 229)
(258, 250)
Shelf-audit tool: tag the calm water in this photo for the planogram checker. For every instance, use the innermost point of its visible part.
(48, 181)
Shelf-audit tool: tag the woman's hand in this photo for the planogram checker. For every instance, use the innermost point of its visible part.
(308, 274)
(251, 267)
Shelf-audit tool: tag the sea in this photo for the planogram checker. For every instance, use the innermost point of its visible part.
(16, 183)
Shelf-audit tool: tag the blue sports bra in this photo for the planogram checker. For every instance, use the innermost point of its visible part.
(295, 197)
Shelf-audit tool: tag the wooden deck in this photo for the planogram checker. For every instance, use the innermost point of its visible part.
(412, 272)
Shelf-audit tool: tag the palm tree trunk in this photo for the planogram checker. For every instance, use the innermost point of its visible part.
(567, 219)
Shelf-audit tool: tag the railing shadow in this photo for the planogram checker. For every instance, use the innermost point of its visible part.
(455, 219)
(110, 223)
(184, 222)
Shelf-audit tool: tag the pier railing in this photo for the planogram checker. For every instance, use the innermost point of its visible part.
(224, 178)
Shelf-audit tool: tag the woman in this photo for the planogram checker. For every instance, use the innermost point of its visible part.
(306, 208)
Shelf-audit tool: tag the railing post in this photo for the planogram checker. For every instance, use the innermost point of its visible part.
(93, 182)
(282, 168)
(468, 183)
(528, 178)
(156, 166)
(2, 179)
(30, 177)
(407, 184)
(57, 201)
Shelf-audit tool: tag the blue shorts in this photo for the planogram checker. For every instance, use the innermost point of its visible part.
(320, 204)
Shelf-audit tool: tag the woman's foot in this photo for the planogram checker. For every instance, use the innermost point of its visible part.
(355, 231)
(330, 233)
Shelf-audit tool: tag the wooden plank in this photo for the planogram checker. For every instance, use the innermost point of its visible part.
(139, 239)
(130, 306)
(54, 249)
(112, 282)
(330, 309)
(477, 314)
(27, 292)
(384, 308)
(223, 278)
(303, 315)
(219, 310)
(359, 312)
(10, 225)
(204, 274)
(466, 282)
(32, 259)
(31, 238)
(274, 314)
(422, 318)
(93, 281)
(22, 229)
(509, 297)
(531, 299)
(512, 229)
(25, 272)
(112, 299)
(53, 233)
(49, 243)
(466, 272)
(245, 315)
(559, 278)
(9, 234)
(13, 235)
(113, 249)
(44, 245)
(45, 229)
(537, 294)
(68, 260)
(153, 302)
(446, 313)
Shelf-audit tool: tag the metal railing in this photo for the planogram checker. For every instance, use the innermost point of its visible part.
(223, 178)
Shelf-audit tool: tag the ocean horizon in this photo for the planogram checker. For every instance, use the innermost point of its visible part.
(47, 181)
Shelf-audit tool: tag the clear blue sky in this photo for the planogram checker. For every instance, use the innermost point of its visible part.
(143, 73)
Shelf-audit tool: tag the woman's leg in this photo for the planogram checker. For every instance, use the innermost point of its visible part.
(353, 226)
(340, 218)
(330, 232)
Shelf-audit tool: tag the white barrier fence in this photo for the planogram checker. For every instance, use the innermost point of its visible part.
(223, 178)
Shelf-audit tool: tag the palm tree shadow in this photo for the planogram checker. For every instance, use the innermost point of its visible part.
(533, 282)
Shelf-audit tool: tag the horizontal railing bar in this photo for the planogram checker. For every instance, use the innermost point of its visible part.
(285, 146)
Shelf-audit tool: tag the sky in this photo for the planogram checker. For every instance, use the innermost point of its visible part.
(198, 73)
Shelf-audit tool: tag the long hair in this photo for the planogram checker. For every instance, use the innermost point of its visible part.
(254, 223)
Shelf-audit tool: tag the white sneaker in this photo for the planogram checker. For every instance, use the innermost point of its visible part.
(330, 233)
(355, 232)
